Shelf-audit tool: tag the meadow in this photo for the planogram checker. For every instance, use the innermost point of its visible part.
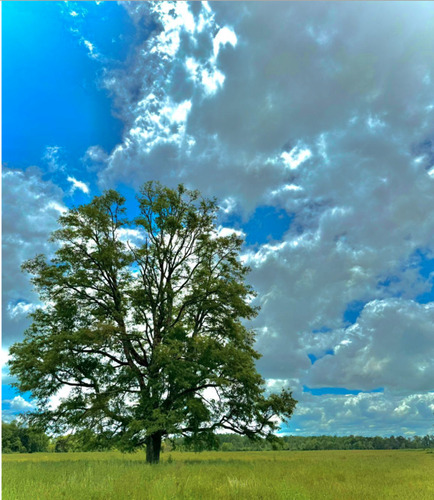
(301, 475)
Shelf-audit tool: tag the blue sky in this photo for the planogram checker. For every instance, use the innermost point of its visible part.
(319, 151)
(47, 74)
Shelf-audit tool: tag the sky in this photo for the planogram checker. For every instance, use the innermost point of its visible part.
(311, 122)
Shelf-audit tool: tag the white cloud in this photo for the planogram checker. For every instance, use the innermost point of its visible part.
(367, 414)
(295, 157)
(228, 231)
(246, 107)
(157, 121)
(212, 82)
(62, 393)
(94, 158)
(224, 36)
(130, 235)
(51, 157)
(92, 51)
(26, 228)
(76, 10)
(228, 205)
(391, 345)
(4, 357)
(54, 205)
(82, 186)
(20, 309)
(20, 404)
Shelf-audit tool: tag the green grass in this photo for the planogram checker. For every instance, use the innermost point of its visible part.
(340, 475)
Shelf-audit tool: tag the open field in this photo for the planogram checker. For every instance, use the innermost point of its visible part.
(343, 475)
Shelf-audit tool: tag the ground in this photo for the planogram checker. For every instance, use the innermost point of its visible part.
(303, 475)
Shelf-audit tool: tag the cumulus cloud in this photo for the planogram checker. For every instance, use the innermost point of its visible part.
(317, 109)
(31, 207)
(284, 89)
(365, 414)
(13, 408)
(391, 345)
(158, 92)
(131, 236)
(20, 309)
(19, 404)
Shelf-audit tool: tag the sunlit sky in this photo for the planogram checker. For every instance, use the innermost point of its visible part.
(313, 124)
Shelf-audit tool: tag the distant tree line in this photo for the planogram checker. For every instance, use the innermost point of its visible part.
(17, 438)
(231, 442)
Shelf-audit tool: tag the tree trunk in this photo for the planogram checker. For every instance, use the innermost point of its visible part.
(153, 448)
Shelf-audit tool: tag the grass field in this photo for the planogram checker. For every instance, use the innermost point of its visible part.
(340, 475)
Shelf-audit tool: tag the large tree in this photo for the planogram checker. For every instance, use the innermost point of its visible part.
(149, 337)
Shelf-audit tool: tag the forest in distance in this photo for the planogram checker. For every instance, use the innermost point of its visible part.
(17, 438)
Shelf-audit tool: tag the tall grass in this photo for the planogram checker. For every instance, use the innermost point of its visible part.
(339, 475)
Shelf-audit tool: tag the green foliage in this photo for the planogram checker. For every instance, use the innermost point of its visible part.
(17, 438)
(63, 445)
(226, 442)
(227, 447)
(84, 440)
(149, 337)
(357, 442)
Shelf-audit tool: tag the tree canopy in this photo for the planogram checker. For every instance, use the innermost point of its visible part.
(144, 322)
